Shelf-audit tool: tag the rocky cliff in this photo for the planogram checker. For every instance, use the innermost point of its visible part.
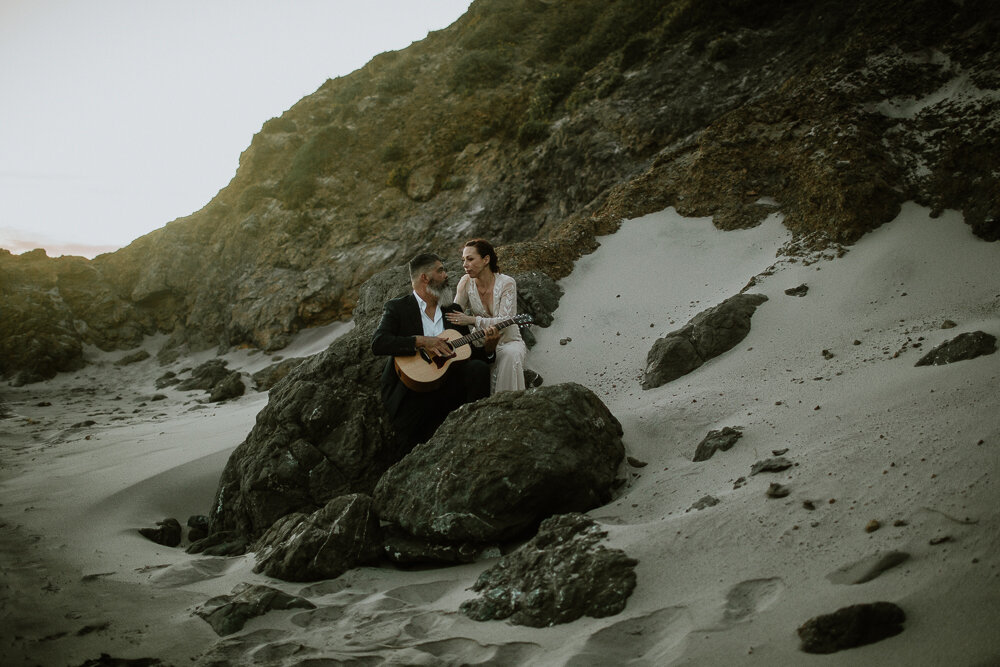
(542, 124)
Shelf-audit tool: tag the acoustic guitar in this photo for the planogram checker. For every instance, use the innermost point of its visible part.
(425, 371)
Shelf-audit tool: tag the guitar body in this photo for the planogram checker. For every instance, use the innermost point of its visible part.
(425, 373)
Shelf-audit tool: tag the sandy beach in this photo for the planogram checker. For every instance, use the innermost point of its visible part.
(89, 457)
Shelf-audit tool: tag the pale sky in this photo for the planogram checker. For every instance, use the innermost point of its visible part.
(118, 116)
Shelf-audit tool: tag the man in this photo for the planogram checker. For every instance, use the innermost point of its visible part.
(414, 323)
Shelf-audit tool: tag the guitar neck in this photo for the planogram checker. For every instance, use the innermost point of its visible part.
(476, 335)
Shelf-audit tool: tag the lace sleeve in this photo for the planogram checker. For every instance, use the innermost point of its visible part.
(505, 308)
(462, 293)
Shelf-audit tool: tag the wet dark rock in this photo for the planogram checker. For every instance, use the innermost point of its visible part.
(776, 464)
(560, 575)
(230, 386)
(229, 613)
(850, 627)
(402, 548)
(968, 345)
(635, 463)
(497, 467)
(321, 545)
(197, 527)
(267, 377)
(708, 334)
(205, 376)
(868, 568)
(223, 543)
(323, 434)
(718, 440)
(167, 532)
(801, 290)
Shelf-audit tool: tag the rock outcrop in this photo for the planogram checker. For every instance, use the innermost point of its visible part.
(541, 126)
(321, 545)
(497, 467)
(561, 574)
(322, 434)
(708, 334)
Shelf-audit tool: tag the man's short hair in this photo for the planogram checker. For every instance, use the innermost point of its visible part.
(423, 263)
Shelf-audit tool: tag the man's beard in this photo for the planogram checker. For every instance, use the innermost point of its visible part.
(442, 292)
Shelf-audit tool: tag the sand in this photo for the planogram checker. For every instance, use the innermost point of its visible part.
(871, 437)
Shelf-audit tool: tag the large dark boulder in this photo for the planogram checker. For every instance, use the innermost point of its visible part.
(497, 467)
(708, 334)
(968, 345)
(558, 576)
(323, 434)
(321, 545)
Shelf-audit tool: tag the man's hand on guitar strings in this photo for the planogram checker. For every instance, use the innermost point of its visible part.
(435, 345)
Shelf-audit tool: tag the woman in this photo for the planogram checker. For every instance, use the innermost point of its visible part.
(492, 298)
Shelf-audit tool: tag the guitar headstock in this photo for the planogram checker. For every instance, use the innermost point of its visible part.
(523, 320)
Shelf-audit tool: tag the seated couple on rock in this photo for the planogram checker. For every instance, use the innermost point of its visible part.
(427, 377)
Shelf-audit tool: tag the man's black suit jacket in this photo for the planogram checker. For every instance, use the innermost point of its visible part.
(396, 336)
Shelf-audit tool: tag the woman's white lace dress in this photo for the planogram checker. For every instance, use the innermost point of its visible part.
(508, 370)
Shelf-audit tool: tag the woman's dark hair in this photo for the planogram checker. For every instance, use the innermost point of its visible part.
(484, 247)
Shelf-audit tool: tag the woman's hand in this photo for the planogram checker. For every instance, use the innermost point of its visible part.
(460, 318)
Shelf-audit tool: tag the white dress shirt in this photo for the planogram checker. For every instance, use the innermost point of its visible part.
(432, 326)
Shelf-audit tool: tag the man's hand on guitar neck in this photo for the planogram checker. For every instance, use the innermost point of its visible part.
(435, 346)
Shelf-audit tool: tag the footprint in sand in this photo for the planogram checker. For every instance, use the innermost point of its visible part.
(646, 640)
(750, 597)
